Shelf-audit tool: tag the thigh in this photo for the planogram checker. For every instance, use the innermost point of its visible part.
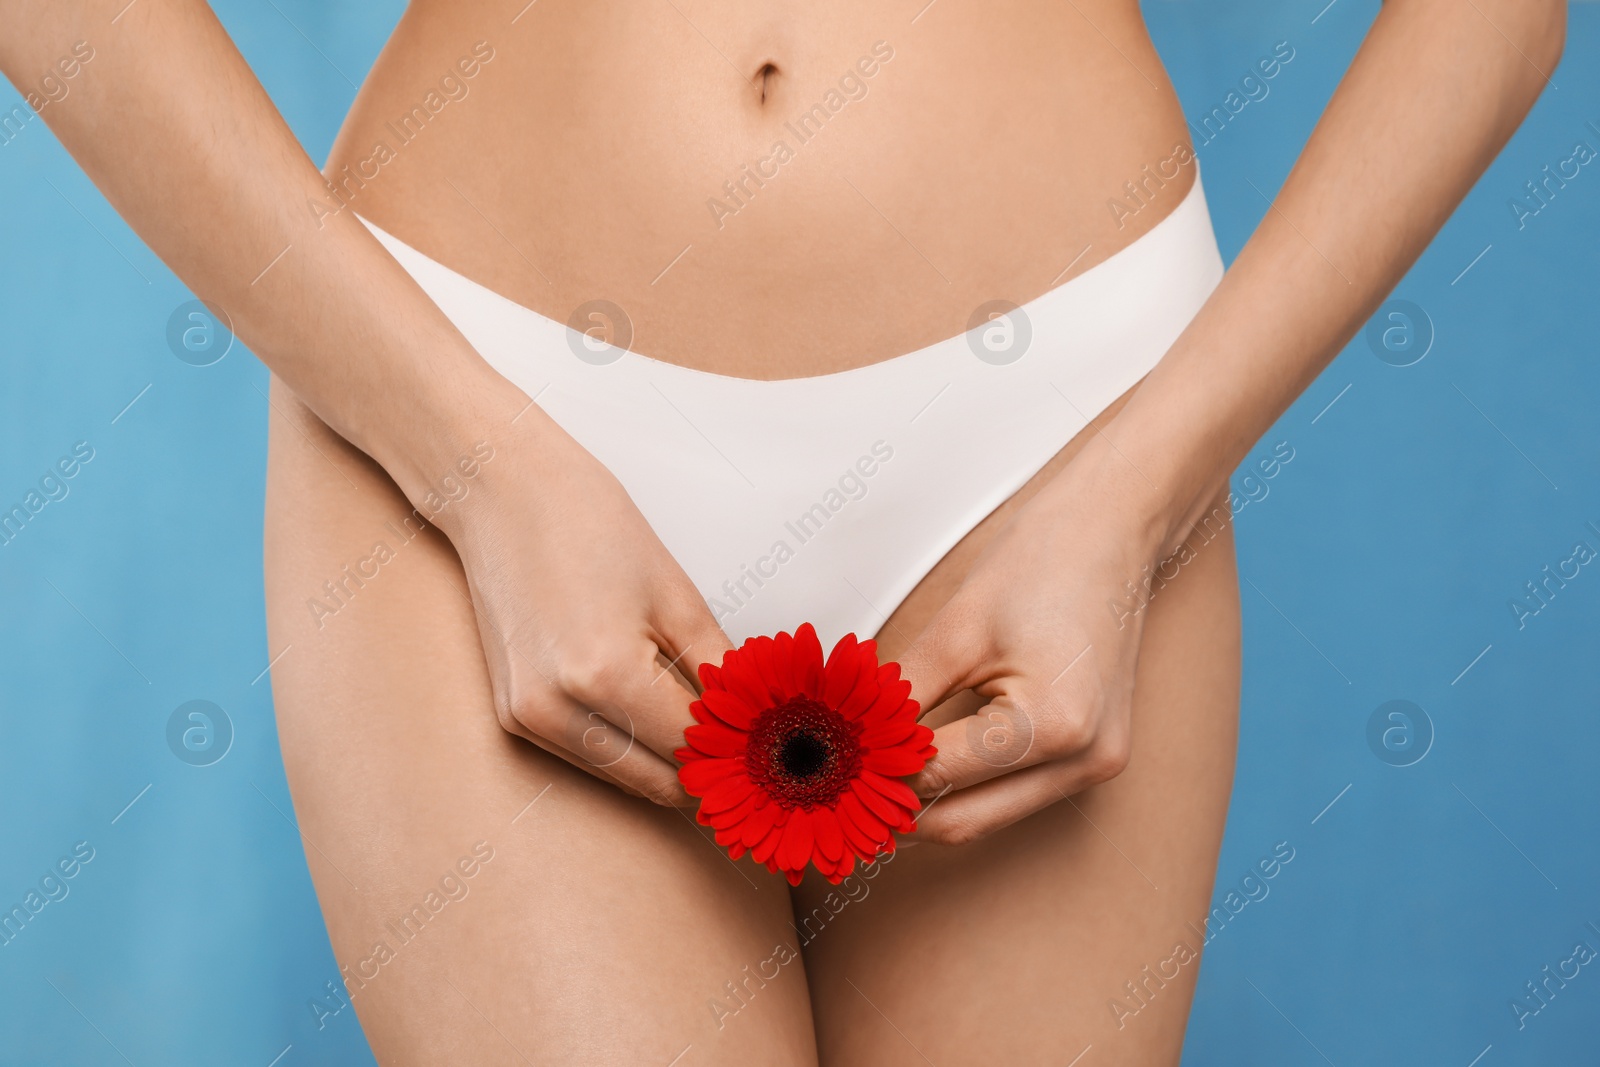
(1074, 929)
(487, 902)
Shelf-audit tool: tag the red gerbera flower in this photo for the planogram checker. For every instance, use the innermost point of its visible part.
(795, 760)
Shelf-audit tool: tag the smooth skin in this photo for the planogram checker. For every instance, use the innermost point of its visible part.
(603, 927)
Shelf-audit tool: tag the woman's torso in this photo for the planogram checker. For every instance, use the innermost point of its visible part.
(765, 192)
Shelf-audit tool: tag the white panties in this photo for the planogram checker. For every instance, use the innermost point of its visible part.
(827, 499)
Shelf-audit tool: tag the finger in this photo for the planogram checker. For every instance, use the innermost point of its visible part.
(1022, 727)
(998, 738)
(593, 743)
(619, 679)
(943, 660)
(968, 815)
(522, 733)
(562, 727)
(597, 743)
(651, 706)
(689, 636)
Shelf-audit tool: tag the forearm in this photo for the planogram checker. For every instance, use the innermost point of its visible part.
(173, 127)
(1431, 97)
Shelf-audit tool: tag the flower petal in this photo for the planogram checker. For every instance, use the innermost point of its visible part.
(700, 776)
(728, 708)
(865, 690)
(759, 824)
(731, 822)
(766, 849)
(808, 661)
(743, 681)
(886, 733)
(783, 662)
(893, 700)
(794, 851)
(829, 835)
(761, 660)
(727, 795)
(716, 740)
(881, 806)
(839, 675)
(894, 789)
(862, 828)
(894, 762)
(711, 675)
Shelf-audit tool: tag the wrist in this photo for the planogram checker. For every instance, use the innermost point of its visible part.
(1154, 484)
(444, 456)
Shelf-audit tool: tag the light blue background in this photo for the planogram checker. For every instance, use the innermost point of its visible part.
(1379, 564)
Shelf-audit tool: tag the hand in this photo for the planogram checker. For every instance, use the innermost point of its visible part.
(1046, 627)
(581, 608)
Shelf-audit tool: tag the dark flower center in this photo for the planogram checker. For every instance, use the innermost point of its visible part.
(803, 753)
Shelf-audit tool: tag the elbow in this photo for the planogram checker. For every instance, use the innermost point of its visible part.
(1524, 39)
(1536, 31)
(1558, 30)
(1547, 31)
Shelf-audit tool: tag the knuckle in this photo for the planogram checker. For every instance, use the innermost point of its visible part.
(1000, 736)
(508, 719)
(595, 739)
(516, 716)
(936, 776)
(590, 672)
(931, 646)
(948, 646)
(684, 611)
(955, 830)
(1105, 762)
(661, 792)
(1065, 733)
